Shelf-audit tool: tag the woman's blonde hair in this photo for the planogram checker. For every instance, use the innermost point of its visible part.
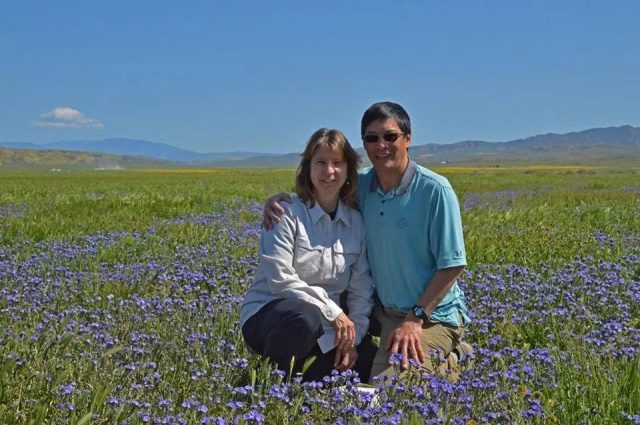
(337, 142)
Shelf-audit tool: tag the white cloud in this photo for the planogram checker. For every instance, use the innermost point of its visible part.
(63, 117)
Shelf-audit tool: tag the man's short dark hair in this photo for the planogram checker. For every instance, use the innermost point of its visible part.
(386, 111)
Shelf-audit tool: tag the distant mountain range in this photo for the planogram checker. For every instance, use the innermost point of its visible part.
(47, 159)
(605, 146)
(133, 147)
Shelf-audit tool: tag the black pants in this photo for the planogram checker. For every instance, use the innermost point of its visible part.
(289, 328)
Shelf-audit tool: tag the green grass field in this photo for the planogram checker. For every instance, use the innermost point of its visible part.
(119, 295)
(518, 215)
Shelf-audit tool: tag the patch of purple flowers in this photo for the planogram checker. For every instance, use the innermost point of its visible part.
(157, 328)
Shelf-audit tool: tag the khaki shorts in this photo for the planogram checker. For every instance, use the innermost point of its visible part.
(436, 336)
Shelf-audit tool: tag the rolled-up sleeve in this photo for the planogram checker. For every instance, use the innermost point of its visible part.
(276, 263)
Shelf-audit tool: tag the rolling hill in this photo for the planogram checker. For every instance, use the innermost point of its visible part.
(43, 159)
(606, 146)
(610, 146)
(134, 147)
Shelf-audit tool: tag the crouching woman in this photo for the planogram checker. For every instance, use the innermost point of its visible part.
(314, 257)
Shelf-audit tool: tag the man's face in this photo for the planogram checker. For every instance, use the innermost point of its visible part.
(386, 155)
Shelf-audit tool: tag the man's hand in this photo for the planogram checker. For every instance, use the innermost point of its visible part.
(345, 359)
(345, 332)
(273, 210)
(405, 340)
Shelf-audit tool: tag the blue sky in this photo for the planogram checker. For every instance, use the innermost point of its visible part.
(262, 76)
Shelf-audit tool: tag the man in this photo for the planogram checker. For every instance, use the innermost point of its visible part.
(415, 247)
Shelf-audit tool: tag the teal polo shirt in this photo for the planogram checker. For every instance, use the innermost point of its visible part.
(413, 231)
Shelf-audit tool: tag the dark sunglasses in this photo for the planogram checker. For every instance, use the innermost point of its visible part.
(387, 137)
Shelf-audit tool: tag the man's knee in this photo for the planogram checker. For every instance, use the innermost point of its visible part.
(439, 338)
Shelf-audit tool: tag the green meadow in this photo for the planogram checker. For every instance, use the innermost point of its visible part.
(120, 290)
(521, 215)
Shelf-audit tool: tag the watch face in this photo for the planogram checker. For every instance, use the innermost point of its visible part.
(419, 312)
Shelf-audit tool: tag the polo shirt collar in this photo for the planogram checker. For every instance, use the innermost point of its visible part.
(316, 213)
(405, 182)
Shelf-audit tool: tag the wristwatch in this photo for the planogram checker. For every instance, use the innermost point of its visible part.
(419, 312)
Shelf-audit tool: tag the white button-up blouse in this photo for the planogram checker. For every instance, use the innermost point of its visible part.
(311, 257)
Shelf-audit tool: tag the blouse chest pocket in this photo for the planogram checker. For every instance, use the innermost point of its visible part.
(345, 253)
(309, 261)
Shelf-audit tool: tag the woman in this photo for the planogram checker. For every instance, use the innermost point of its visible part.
(314, 257)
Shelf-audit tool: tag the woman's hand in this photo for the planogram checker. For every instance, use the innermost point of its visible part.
(273, 210)
(345, 332)
(345, 359)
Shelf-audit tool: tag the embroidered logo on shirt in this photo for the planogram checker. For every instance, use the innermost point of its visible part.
(457, 253)
(402, 223)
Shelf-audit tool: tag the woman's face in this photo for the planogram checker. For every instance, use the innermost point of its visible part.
(328, 173)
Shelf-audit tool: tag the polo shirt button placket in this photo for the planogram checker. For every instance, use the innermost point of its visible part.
(381, 219)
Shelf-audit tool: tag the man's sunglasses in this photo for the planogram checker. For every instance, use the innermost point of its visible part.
(387, 137)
